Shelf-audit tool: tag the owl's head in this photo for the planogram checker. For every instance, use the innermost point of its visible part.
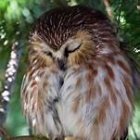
(69, 36)
(76, 50)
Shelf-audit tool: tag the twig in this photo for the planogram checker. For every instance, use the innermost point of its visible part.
(27, 138)
(3, 133)
(108, 9)
(37, 138)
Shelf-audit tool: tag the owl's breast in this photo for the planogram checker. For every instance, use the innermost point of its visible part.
(90, 92)
(73, 80)
(72, 95)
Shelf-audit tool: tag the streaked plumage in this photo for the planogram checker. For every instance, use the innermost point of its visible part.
(78, 82)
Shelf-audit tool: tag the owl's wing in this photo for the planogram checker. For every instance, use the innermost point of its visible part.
(39, 95)
(133, 64)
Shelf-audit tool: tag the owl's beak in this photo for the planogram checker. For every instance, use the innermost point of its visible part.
(61, 64)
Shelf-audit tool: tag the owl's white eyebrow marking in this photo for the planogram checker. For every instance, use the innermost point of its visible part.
(59, 54)
(37, 78)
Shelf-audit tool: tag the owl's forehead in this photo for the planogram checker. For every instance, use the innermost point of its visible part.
(57, 25)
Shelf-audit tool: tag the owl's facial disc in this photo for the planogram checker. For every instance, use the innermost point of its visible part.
(74, 50)
(60, 56)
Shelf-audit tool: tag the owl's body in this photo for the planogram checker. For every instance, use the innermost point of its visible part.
(78, 82)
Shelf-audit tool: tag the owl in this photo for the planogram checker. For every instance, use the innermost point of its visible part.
(78, 83)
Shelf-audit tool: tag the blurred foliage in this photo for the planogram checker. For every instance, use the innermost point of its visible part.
(16, 19)
(127, 16)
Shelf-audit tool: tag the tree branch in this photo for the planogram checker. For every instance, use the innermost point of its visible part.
(10, 76)
(27, 138)
(108, 9)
